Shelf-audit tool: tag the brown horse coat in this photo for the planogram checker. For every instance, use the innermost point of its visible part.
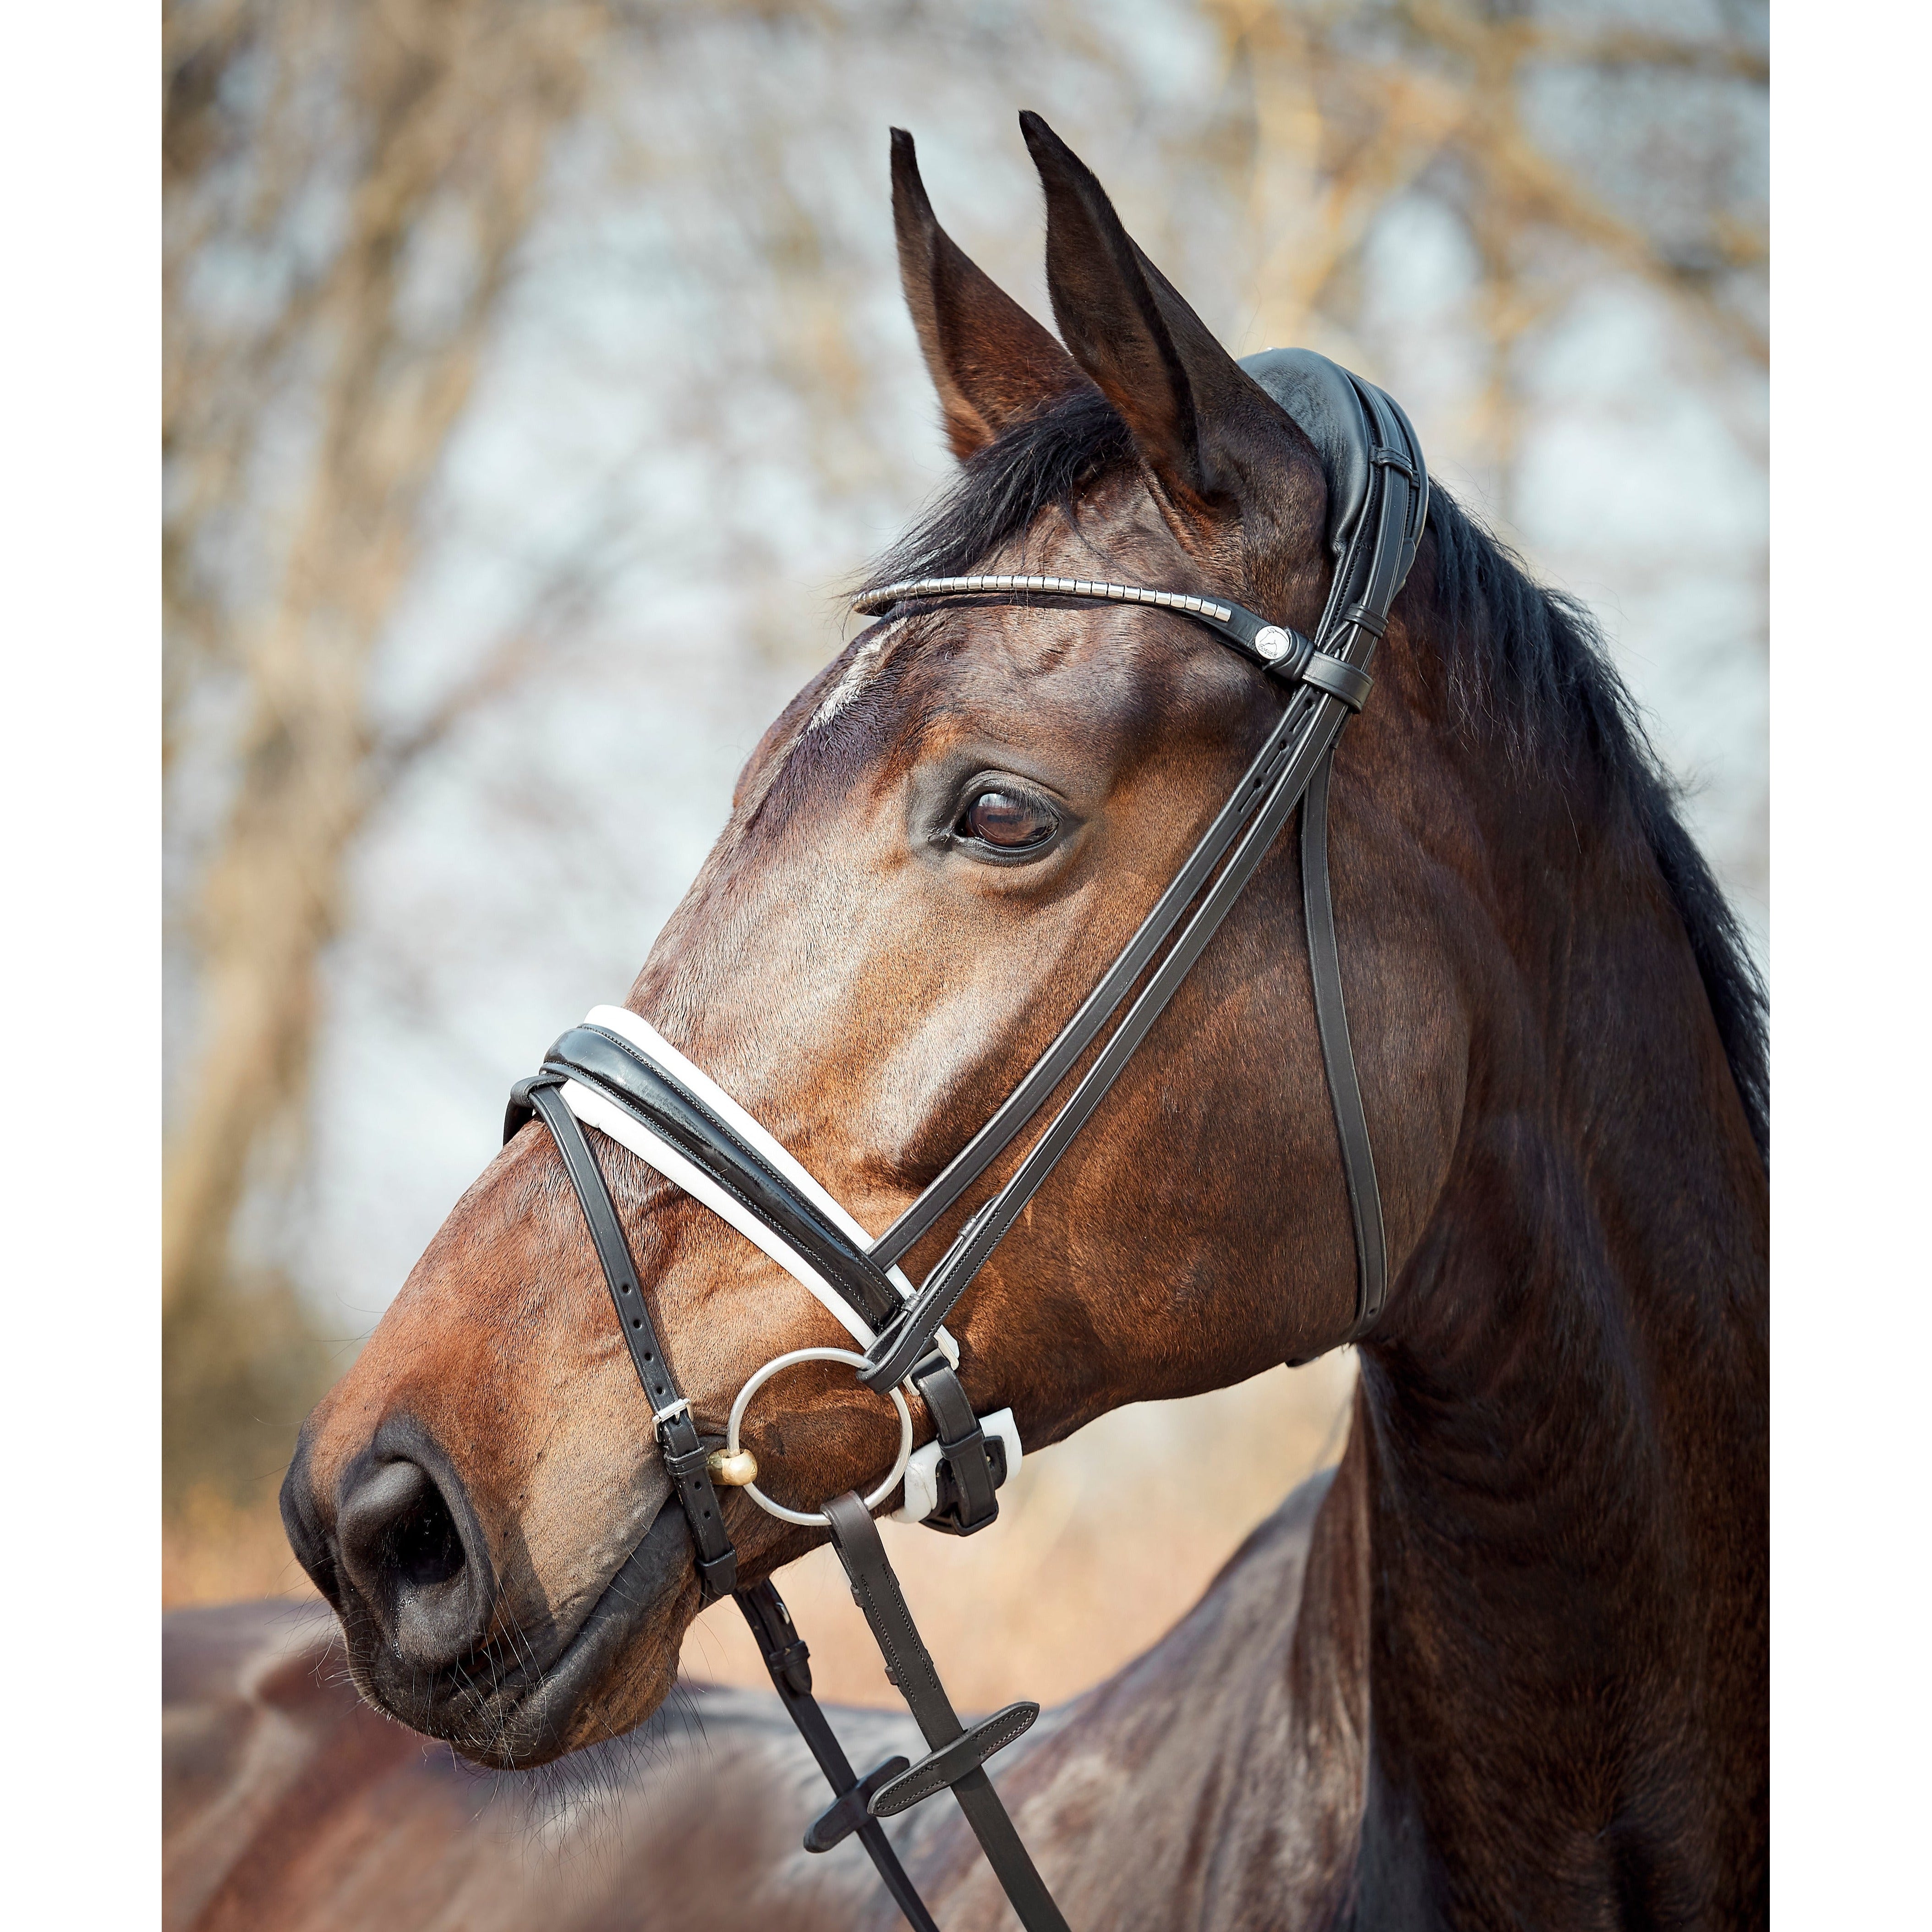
(292, 1807)
(1526, 1683)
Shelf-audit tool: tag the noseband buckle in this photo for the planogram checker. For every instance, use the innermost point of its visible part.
(970, 1466)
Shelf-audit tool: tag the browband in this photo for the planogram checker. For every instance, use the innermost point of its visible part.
(1274, 647)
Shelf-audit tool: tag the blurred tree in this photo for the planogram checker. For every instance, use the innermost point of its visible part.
(347, 184)
(1571, 144)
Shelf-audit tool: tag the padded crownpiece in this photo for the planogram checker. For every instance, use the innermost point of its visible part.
(1319, 396)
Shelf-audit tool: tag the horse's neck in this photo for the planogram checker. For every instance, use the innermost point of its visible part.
(1562, 1431)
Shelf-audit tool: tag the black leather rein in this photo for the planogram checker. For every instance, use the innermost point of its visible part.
(1379, 492)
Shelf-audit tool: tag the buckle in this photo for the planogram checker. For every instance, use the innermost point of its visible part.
(948, 1513)
(962, 1448)
(932, 1491)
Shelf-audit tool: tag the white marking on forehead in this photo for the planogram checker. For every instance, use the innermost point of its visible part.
(857, 674)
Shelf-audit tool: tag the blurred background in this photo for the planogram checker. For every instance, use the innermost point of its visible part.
(535, 372)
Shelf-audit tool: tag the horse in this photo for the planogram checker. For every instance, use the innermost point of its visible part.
(1506, 1664)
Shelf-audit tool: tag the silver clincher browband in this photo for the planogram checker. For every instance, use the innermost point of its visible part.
(1276, 648)
(615, 1073)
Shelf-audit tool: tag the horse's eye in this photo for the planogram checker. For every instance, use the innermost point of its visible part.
(1009, 819)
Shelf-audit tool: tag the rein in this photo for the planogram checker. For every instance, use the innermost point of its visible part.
(615, 1072)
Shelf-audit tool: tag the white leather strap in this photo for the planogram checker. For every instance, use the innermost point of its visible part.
(645, 1037)
(594, 1110)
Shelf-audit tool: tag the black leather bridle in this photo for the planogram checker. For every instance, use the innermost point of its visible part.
(619, 1076)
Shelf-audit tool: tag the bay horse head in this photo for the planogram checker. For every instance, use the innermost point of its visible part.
(932, 855)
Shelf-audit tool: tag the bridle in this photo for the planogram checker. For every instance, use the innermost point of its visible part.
(615, 1072)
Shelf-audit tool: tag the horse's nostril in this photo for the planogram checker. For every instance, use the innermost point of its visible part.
(396, 1530)
(423, 1546)
(402, 1549)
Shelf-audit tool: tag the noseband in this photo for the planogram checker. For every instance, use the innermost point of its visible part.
(615, 1073)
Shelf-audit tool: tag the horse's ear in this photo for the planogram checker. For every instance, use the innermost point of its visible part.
(991, 363)
(1204, 429)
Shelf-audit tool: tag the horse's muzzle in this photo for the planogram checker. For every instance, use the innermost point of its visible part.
(399, 1551)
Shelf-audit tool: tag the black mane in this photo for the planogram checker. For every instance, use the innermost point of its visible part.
(1525, 663)
(1529, 663)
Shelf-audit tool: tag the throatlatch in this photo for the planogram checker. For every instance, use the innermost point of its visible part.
(617, 1074)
